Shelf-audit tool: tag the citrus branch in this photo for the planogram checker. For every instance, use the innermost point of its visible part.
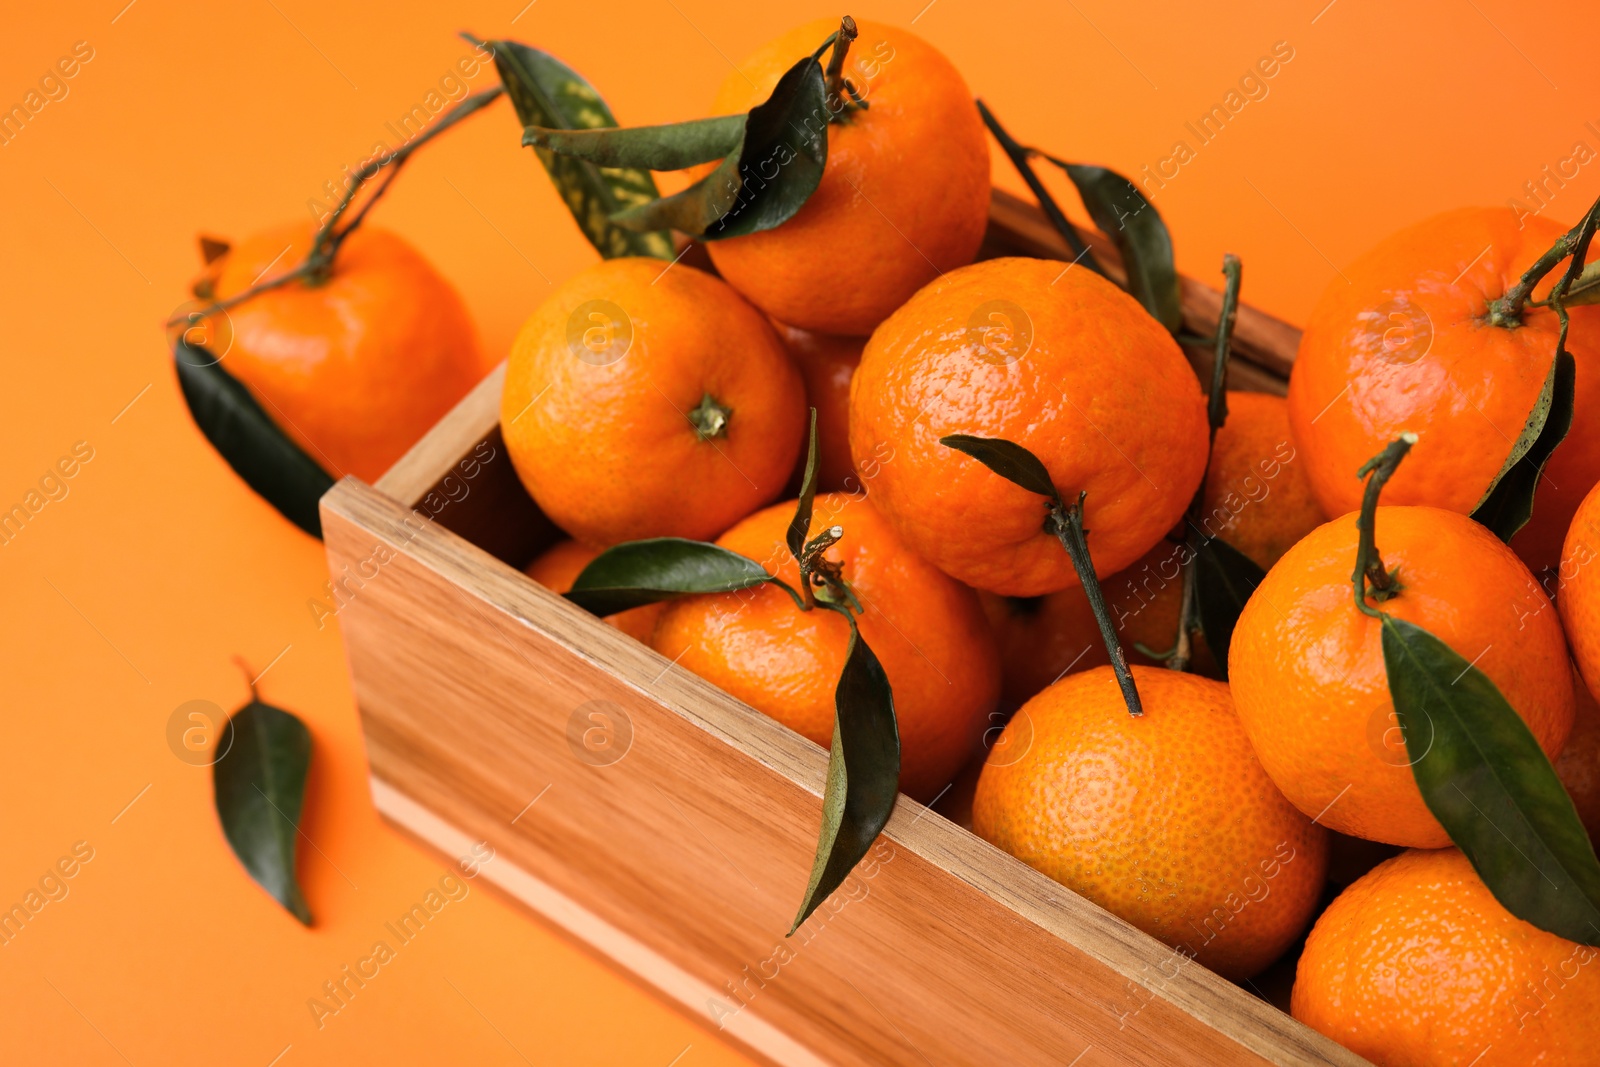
(1370, 571)
(1507, 311)
(325, 244)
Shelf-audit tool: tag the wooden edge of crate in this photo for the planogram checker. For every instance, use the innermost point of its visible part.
(628, 952)
(474, 418)
(1007, 883)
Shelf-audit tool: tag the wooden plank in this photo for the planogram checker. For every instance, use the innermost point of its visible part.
(588, 929)
(695, 844)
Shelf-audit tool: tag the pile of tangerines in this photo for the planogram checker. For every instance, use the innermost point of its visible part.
(955, 430)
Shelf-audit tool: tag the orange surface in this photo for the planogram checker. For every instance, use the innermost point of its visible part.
(126, 597)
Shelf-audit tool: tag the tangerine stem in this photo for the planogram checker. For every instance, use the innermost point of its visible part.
(834, 76)
(816, 571)
(1217, 411)
(1066, 523)
(1369, 564)
(244, 668)
(326, 242)
(710, 418)
(1507, 311)
(1217, 417)
(1047, 203)
(1183, 649)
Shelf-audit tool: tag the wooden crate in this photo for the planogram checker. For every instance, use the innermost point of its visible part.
(682, 861)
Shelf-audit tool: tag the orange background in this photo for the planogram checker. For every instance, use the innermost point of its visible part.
(129, 596)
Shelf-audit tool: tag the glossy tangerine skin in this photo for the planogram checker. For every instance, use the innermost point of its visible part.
(1417, 965)
(356, 369)
(826, 362)
(1166, 820)
(1308, 678)
(1367, 371)
(605, 445)
(904, 195)
(928, 632)
(1101, 395)
(558, 566)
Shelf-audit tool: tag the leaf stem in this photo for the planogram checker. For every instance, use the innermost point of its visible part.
(787, 588)
(1019, 159)
(1370, 571)
(1507, 311)
(1217, 411)
(244, 668)
(1216, 417)
(325, 244)
(1188, 618)
(1065, 521)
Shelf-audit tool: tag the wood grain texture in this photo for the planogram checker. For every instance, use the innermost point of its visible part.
(683, 860)
(695, 844)
(585, 927)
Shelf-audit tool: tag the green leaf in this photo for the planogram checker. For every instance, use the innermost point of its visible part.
(1586, 289)
(1010, 461)
(672, 147)
(1508, 504)
(260, 784)
(776, 169)
(1486, 780)
(800, 525)
(644, 572)
(247, 438)
(1122, 213)
(863, 772)
(546, 92)
(1224, 580)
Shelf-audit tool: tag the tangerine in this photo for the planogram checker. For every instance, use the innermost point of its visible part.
(1578, 588)
(650, 400)
(827, 362)
(1258, 491)
(1417, 964)
(1308, 675)
(355, 368)
(927, 630)
(1578, 766)
(1403, 342)
(1057, 360)
(879, 226)
(1167, 820)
